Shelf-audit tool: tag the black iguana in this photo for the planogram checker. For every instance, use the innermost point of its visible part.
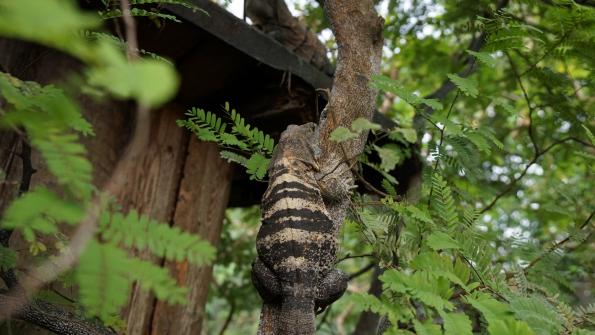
(296, 243)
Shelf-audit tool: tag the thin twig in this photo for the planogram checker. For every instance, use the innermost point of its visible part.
(547, 53)
(362, 271)
(556, 246)
(524, 172)
(529, 105)
(440, 145)
(348, 256)
(232, 310)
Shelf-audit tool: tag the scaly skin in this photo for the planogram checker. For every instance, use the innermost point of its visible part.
(296, 243)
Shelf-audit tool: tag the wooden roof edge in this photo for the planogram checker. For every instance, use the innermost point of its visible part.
(250, 41)
(254, 43)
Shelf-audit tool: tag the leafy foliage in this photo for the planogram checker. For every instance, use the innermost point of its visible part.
(142, 233)
(243, 138)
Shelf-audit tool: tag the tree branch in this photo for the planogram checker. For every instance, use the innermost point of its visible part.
(362, 271)
(524, 172)
(554, 247)
(50, 316)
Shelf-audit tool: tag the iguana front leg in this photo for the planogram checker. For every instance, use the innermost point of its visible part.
(296, 243)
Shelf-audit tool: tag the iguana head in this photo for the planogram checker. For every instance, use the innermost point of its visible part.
(297, 149)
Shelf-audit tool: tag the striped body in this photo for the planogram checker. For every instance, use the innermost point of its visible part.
(296, 243)
(296, 238)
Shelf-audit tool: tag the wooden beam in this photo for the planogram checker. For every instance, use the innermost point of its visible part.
(252, 42)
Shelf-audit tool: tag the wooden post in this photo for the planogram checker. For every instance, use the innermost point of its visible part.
(200, 209)
(151, 188)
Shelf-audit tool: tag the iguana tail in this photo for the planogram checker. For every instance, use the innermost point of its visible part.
(297, 316)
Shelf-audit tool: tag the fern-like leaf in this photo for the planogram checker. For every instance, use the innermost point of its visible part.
(142, 233)
(443, 202)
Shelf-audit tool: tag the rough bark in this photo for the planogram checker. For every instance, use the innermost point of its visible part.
(55, 318)
(274, 19)
(151, 189)
(202, 200)
(358, 31)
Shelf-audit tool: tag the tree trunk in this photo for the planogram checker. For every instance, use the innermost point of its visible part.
(358, 31)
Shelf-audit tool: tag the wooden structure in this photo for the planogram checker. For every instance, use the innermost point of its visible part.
(179, 179)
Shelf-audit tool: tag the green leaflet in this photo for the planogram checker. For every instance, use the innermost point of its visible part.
(537, 313)
(456, 324)
(390, 156)
(38, 212)
(143, 233)
(441, 241)
(467, 85)
(8, 258)
(248, 140)
(257, 166)
(443, 202)
(361, 124)
(150, 82)
(389, 85)
(426, 328)
(484, 57)
(432, 290)
(105, 275)
(342, 134)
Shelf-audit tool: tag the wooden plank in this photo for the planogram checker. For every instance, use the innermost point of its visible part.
(252, 42)
(202, 200)
(151, 188)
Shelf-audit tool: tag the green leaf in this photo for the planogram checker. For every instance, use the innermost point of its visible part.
(432, 290)
(509, 327)
(234, 157)
(105, 274)
(389, 85)
(142, 233)
(537, 313)
(149, 81)
(426, 328)
(39, 211)
(492, 309)
(390, 155)
(368, 302)
(257, 166)
(54, 23)
(589, 134)
(361, 124)
(102, 275)
(409, 134)
(435, 104)
(456, 324)
(8, 258)
(484, 57)
(466, 85)
(441, 241)
(504, 103)
(443, 202)
(342, 134)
